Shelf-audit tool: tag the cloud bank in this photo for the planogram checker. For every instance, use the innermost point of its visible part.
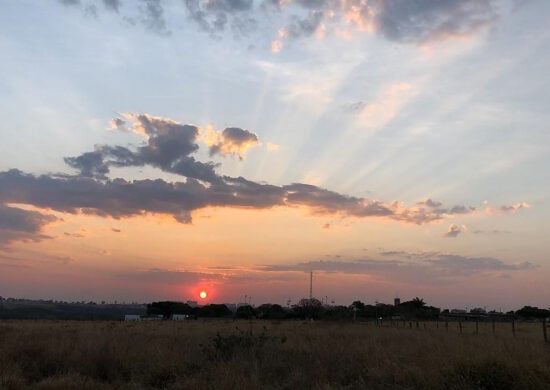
(170, 146)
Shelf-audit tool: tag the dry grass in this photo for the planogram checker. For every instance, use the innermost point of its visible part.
(269, 355)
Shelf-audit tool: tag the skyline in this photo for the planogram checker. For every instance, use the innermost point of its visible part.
(155, 149)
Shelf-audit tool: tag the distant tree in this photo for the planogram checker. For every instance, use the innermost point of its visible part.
(308, 308)
(338, 313)
(214, 310)
(357, 305)
(168, 308)
(418, 302)
(270, 311)
(532, 312)
(245, 311)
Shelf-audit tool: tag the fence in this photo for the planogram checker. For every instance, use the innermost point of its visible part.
(470, 326)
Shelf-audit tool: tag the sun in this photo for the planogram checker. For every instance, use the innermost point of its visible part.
(202, 294)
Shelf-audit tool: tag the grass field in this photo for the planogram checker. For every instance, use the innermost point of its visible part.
(270, 355)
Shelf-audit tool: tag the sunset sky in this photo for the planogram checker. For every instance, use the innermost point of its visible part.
(152, 149)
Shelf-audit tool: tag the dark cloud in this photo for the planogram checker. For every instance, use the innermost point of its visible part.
(17, 224)
(153, 16)
(215, 16)
(425, 20)
(70, 2)
(403, 21)
(169, 147)
(233, 140)
(303, 27)
(112, 5)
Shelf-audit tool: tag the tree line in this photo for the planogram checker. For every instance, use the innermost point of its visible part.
(415, 309)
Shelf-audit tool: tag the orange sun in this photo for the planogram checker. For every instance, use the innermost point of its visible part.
(202, 294)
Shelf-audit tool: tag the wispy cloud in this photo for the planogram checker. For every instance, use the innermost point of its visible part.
(403, 266)
(17, 224)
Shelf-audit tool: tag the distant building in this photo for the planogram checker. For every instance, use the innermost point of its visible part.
(231, 306)
(180, 317)
(192, 303)
(132, 317)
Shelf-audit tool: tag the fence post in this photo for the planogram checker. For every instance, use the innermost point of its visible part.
(460, 326)
(544, 330)
(410, 325)
(437, 324)
(447, 325)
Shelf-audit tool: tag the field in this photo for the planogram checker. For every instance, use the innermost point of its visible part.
(270, 355)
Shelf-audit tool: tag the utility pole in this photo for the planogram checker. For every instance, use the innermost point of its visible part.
(310, 285)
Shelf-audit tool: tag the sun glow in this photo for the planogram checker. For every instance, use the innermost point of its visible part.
(202, 294)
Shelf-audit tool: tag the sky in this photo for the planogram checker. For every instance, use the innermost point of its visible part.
(152, 149)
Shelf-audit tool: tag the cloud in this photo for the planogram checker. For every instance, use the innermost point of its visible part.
(231, 141)
(454, 230)
(402, 21)
(430, 203)
(17, 224)
(428, 267)
(153, 16)
(169, 146)
(112, 5)
(419, 21)
(165, 276)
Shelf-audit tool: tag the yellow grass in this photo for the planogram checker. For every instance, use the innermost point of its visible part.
(270, 355)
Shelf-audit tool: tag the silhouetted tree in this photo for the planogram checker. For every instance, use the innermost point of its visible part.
(214, 310)
(245, 311)
(532, 312)
(270, 311)
(308, 308)
(168, 308)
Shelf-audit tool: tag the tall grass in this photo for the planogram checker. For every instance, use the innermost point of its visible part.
(268, 355)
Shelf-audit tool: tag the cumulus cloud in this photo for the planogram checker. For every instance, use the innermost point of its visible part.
(231, 141)
(454, 230)
(17, 224)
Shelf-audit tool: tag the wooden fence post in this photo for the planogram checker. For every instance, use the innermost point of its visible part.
(477, 326)
(447, 325)
(460, 326)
